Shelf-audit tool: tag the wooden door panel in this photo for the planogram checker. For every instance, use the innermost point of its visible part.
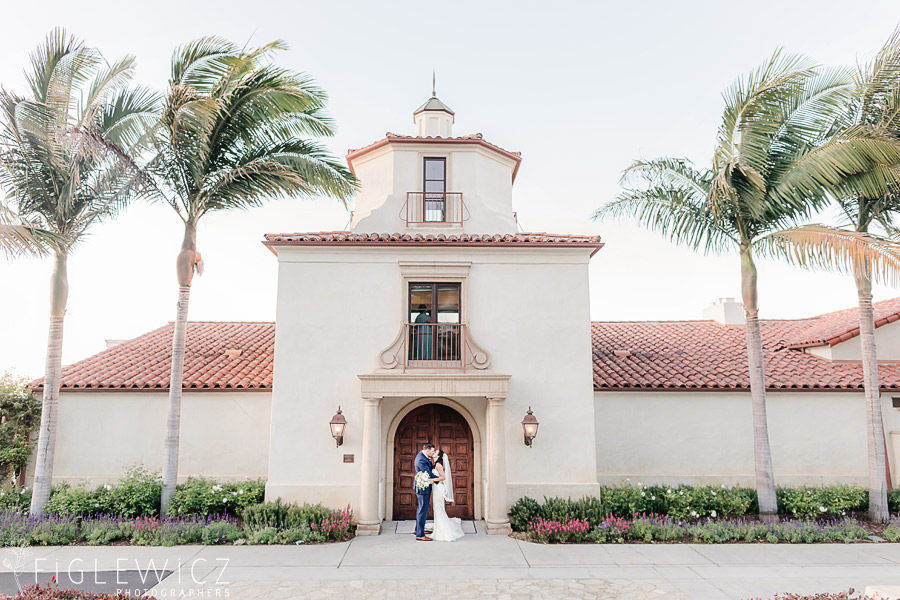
(447, 429)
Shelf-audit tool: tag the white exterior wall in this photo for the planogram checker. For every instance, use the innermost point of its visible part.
(224, 435)
(339, 307)
(481, 175)
(700, 437)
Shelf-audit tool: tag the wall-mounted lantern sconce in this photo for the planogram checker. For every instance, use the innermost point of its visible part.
(530, 425)
(338, 422)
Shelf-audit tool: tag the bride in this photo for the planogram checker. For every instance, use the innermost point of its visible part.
(446, 529)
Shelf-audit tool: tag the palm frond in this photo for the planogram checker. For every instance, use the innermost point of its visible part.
(670, 212)
(876, 84)
(232, 132)
(18, 238)
(822, 247)
(201, 62)
(838, 163)
(66, 152)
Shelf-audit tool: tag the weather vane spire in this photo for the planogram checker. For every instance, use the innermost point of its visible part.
(433, 81)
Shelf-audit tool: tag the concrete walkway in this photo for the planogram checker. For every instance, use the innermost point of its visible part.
(478, 566)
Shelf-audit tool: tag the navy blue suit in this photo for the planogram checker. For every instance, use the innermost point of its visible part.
(423, 463)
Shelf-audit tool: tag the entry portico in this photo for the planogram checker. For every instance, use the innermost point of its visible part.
(389, 397)
(432, 319)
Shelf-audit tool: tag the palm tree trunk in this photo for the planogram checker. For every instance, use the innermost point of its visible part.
(765, 479)
(46, 446)
(878, 503)
(185, 271)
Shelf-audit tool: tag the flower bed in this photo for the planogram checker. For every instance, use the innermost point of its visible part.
(656, 528)
(46, 592)
(703, 514)
(201, 512)
(307, 524)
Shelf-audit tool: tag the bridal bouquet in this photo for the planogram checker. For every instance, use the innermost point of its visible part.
(423, 480)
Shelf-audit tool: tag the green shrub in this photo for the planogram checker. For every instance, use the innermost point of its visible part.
(136, 494)
(590, 509)
(626, 499)
(198, 496)
(301, 535)
(655, 529)
(892, 531)
(56, 530)
(691, 503)
(523, 512)
(220, 532)
(823, 501)
(894, 500)
(103, 531)
(561, 510)
(264, 535)
(68, 500)
(284, 516)
(15, 499)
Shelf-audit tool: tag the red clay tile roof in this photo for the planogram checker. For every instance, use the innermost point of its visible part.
(346, 238)
(473, 138)
(648, 355)
(708, 355)
(834, 328)
(218, 355)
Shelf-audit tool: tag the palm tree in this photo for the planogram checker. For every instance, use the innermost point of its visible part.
(874, 103)
(64, 166)
(773, 164)
(232, 135)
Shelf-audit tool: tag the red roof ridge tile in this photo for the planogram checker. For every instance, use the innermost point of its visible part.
(830, 329)
(440, 239)
(228, 322)
(663, 321)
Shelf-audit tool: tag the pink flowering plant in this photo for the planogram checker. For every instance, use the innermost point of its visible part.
(555, 532)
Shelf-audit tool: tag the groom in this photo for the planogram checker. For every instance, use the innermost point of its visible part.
(423, 463)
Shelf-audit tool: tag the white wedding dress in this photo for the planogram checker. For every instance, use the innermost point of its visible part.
(446, 529)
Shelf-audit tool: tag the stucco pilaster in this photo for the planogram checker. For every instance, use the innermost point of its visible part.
(369, 522)
(497, 517)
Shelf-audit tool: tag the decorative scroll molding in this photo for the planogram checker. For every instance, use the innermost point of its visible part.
(391, 357)
(476, 356)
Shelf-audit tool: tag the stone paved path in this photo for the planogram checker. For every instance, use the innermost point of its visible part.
(489, 589)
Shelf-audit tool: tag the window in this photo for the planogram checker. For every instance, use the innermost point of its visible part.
(434, 322)
(435, 190)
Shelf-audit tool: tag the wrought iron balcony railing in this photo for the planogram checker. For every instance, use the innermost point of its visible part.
(434, 207)
(434, 346)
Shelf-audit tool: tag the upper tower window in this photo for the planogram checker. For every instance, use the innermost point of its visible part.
(435, 188)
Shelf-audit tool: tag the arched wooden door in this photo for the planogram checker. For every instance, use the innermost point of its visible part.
(448, 430)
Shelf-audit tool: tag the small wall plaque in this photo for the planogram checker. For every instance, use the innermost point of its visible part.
(348, 458)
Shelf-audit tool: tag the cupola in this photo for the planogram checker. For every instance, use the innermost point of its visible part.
(434, 119)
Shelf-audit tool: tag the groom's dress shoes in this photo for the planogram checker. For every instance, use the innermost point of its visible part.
(423, 539)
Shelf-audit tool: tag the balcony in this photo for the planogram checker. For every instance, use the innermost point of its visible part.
(425, 208)
(434, 346)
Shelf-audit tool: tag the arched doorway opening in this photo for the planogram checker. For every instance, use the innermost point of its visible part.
(447, 429)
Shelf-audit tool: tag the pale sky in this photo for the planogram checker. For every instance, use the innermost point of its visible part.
(580, 88)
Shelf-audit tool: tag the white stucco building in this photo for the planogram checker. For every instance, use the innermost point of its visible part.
(434, 319)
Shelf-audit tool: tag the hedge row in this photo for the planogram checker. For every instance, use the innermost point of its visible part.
(686, 502)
